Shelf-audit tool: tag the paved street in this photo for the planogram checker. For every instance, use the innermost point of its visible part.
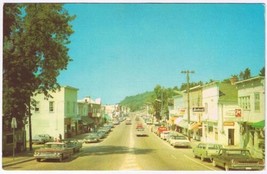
(123, 150)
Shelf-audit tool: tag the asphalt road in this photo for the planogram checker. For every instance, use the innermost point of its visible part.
(123, 150)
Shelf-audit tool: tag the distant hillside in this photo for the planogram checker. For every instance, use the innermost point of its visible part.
(136, 102)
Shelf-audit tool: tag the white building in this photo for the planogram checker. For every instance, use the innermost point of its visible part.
(251, 98)
(219, 123)
(56, 115)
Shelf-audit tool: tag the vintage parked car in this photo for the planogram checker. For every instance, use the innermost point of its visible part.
(53, 150)
(164, 135)
(180, 141)
(92, 138)
(239, 159)
(41, 139)
(74, 144)
(205, 150)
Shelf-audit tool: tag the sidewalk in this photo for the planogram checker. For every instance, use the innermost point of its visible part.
(27, 155)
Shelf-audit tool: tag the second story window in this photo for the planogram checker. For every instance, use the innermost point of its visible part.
(257, 101)
(37, 106)
(68, 107)
(244, 102)
(73, 107)
(51, 106)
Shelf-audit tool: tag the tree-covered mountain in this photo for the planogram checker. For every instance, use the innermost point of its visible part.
(138, 101)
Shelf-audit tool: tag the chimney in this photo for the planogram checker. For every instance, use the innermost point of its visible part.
(233, 79)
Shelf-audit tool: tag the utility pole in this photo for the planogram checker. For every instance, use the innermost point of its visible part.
(187, 72)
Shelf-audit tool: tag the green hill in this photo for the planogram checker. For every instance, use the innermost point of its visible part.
(136, 102)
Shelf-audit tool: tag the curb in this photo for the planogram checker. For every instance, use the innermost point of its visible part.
(18, 162)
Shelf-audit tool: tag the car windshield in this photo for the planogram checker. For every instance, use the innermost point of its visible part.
(180, 138)
(54, 146)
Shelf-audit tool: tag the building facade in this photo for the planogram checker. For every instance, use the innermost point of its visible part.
(57, 114)
(251, 99)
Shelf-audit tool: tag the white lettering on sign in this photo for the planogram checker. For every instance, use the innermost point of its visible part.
(198, 109)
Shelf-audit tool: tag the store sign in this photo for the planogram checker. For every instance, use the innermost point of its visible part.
(237, 112)
(181, 112)
(228, 123)
(198, 109)
(14, 123)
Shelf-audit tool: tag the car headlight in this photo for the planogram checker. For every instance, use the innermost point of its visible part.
(233, 161)
(57, 153)
(37, 153)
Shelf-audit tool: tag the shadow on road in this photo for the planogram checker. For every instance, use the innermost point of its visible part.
(108, 150)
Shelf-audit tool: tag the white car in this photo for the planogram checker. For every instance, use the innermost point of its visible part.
(180, 141)
(41, 139)
(141, 132)
(164, 135)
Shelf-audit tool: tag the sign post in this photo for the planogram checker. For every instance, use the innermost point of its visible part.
(14, 126)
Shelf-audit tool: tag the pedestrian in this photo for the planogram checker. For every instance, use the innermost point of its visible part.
(60, 137)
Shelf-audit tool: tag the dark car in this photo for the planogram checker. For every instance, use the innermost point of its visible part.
(74, 144)
(92, 138)
(239, 159)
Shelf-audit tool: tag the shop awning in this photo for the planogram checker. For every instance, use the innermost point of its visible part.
(178, 120)
(260, 124)
(183, 124)
(195, 125)
(87, 120)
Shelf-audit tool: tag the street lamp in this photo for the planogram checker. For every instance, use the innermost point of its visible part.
(187, 72)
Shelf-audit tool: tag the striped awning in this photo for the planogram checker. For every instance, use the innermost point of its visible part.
(194, 126)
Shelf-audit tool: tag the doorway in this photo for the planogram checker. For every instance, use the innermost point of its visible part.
(231, 136)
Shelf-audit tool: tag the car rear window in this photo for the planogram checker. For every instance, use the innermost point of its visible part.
(213, 146)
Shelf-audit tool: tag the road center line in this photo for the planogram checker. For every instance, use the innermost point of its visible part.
(173, 156)
(198, 162)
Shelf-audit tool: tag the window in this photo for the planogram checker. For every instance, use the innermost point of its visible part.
(74, 104)
(257, 101)
(51, 106)
(37, 106)
(68, 107)
(206, 108)
(244, 102)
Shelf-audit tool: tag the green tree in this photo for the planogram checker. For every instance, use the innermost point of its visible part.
(247, 74)
(262, 72)
(34, 52)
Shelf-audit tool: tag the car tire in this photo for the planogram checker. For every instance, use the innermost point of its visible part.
(38, 159)
(214, 163)
(226, 167)
(61, 158)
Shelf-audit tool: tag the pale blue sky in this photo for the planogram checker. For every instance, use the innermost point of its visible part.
(120, 50)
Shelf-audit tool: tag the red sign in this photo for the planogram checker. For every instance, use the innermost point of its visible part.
(237, 112)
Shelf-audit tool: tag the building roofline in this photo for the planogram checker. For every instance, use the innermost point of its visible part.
(69, 87)
(250, 79)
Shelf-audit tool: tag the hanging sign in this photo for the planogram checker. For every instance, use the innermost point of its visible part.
(13, 123)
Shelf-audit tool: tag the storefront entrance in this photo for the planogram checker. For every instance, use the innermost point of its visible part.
(231, 136)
